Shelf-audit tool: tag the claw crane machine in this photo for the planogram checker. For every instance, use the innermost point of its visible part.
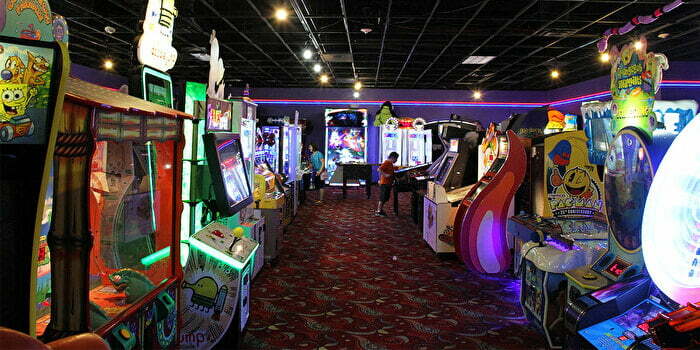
(34, 54)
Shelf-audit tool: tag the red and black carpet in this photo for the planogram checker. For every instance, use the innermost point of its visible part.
(346, 279)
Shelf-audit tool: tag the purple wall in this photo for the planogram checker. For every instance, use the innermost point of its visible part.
(97, 76)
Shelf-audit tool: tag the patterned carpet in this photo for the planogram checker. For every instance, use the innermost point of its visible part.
(346, 279)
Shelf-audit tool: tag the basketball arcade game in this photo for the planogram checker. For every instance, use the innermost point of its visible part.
(346, 140)
(33, 81)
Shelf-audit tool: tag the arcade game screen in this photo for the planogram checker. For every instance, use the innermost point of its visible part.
(346, 117)
(157, 89)
(25, 92)
(131, 204)
(219, 116)
(228, 172)
(344, 145)
(267, 146)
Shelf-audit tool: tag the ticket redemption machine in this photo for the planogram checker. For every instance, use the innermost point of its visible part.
(455, 174)
(418, 145)
(480, 237)
(28, 127)
(626, 312)
(392, 140)
(114, 229)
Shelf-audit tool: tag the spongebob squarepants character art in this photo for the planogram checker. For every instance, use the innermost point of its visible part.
(25, 79)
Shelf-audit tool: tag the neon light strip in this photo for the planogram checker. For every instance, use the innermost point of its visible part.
(155, 257)
(151, 180)
(204, 248)
(601, 94)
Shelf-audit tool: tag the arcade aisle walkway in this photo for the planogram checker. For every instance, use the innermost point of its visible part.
(349, 280)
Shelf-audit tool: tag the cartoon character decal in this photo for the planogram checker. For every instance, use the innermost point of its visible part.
(574, 188)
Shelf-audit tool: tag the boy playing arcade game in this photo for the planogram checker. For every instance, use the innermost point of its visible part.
(386, 179)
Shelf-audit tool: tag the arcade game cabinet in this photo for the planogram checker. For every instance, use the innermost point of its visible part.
(115, 235)
(391, 139)
(418, 144)
(479, 234)
(626, 312)
(216, 283)
(32, 85)
(269, 197)
(346, 140)
(456, 173)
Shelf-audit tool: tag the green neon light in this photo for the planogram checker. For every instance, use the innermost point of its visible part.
(156, 257)
(221, 256)
(151, 179)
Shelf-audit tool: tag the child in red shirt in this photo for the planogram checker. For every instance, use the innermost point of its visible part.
(386, 179)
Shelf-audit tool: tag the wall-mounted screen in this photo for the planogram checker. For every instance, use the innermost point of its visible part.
(228, 172)
(157, 87)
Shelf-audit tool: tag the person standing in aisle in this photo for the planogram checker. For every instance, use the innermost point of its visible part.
(318, 168)
(386, 180)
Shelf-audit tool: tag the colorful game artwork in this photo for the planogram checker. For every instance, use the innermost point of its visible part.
(218, 115)
(345, 145)
(24, 93)
(635, 78)
(574, 188)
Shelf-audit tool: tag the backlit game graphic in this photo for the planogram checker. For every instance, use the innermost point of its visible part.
(574, 189)
(344, 145)
(635, 78)
(219, 116)
(346, 117)
(24, 93)
(267, 146)
(671, 222)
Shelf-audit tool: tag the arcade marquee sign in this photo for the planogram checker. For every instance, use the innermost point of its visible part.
(635, 78)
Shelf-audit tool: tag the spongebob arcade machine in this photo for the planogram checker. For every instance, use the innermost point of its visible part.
(35, 60)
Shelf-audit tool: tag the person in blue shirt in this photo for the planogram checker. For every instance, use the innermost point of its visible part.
(318, 168)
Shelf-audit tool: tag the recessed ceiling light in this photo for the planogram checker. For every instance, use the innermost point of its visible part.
(110, 30)
(478, 59)
(317, 68)
(663, 35)
(281, 14)
(108, 64)
(307, 54)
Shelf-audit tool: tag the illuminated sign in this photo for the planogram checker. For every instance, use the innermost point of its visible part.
(155, 47)
(634, 80)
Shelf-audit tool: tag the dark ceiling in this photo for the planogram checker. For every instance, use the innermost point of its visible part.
(413, 43)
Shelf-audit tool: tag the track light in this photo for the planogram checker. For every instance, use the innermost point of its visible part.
(358, 85)
(605, 57)
(108, 64)
(307, 54)
(554, 74)
(281, 14)
(477, 95)
(324, 78)
(317, 68)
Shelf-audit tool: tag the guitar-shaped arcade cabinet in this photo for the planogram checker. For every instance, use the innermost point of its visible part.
(480, 235)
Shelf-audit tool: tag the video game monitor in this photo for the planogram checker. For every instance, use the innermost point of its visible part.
(228, 172)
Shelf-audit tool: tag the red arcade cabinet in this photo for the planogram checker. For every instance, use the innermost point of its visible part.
(480, 222)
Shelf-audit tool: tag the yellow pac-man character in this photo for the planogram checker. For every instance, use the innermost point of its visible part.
(576, 182)
(14, 99)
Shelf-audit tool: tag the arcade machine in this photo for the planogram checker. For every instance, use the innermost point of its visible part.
(268, 146)
(33, 82)
(156, 54)
(480, 237)
(392, 140)
(569, 232)
(675, 115)
(216, 284)
(456, 173)
(627, 313)
(632, 159)
(269, 198)
(114, 235)
(418, 144)
(346, 140)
